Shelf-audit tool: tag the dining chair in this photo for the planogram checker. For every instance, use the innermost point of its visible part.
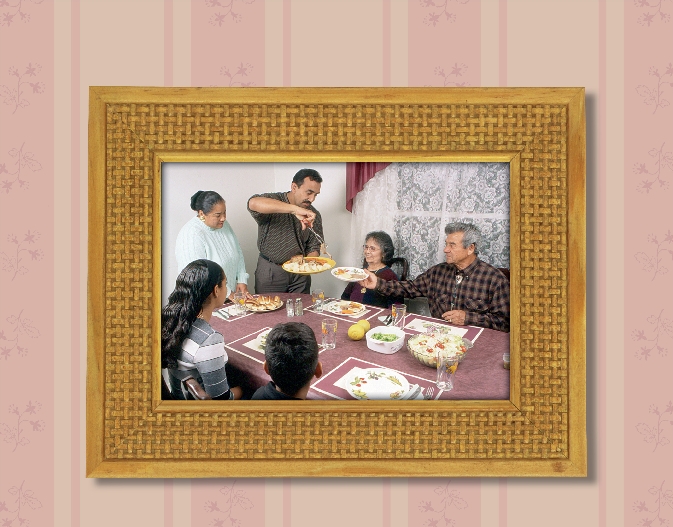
(402, 264)
(504, 271)
(192, 386)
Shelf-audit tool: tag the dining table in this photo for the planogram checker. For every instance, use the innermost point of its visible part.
(480, 375)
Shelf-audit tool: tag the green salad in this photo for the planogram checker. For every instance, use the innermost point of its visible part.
(385, 337)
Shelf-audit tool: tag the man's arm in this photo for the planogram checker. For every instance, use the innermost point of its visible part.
(408, 289)
(264, 205)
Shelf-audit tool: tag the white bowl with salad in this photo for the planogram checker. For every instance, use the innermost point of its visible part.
(385, 339)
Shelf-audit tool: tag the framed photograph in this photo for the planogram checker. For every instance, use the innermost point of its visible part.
(539, 431)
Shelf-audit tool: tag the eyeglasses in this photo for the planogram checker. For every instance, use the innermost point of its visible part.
(369, 248)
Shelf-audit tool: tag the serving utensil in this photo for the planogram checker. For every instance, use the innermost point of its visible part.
(323, 245)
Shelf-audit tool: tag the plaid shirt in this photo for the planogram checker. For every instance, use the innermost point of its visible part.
(483, 293)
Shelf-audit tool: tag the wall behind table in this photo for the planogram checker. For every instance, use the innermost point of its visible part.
(619, 50)
(236, 182)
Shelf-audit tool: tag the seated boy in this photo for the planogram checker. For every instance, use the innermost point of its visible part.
(291, 361)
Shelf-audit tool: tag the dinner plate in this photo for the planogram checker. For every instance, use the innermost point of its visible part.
(344, 307)
(377, 384)
(290, 267)
(349, 274)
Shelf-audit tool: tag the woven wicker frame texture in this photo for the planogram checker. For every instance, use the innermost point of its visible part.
(142, 129)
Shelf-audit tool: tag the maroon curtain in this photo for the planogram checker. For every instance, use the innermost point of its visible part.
(357, 174)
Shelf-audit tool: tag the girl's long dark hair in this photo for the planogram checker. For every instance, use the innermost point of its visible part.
(192, 288)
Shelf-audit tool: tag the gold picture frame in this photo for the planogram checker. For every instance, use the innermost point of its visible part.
(540, 431)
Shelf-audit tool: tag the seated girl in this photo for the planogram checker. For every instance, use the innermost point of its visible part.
(190, 347)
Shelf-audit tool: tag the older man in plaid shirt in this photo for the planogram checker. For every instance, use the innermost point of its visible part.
(462, 291)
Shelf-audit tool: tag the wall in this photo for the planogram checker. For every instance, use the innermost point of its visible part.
(51, 51)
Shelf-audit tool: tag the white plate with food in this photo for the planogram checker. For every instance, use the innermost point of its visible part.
(377, 384)
(344, 307)
(308, 264)
(349, 274)
(263, 303)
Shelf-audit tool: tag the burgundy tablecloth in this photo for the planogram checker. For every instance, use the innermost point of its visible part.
(480, 376)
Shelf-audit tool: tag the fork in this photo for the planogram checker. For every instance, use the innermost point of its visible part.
(323, 245)
(428, 394)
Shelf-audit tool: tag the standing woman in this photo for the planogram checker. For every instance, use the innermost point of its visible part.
(378, 253)
(190, 347)
(208, 235)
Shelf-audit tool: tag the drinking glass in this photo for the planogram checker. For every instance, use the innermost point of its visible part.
(446, 369)
(398, 313)
(318, 297)
(329, 329)
(239, 303)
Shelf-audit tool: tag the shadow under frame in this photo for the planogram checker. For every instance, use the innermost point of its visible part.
(539, 431)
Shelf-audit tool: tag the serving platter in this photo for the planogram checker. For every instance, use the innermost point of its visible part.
(263, 304)
(290, 266)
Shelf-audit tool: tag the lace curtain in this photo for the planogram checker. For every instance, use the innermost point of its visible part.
(414, 201)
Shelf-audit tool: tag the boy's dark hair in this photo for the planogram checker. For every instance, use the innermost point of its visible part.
(291, 356)
(304, 173)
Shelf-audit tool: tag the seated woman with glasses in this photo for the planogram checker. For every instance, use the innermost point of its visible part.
(190, 347)
(378, 253)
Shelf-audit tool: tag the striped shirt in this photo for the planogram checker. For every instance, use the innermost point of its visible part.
(203, 357)
(483, 293)
(280, 236)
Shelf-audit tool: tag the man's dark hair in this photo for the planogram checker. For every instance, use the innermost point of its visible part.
(304, 173)
(291, 356)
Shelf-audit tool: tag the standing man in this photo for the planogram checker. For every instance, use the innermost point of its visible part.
(462, 291)
(282, 218)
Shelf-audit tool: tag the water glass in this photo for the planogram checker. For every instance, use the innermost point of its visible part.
(398, 313)
(239, 303)
(329, 329)
(446, 369)
(318, 297)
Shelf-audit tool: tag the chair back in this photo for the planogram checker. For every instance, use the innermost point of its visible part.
(504, 271)
(192, 386)
(403, 267)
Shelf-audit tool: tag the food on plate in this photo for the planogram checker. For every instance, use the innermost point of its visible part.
(425, 347)
(349, 274)
(356, 332)
(299, 264)
(365, 324)
(263, 303)
(385, 337)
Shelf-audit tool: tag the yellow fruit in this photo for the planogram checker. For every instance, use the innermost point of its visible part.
(365, 324)
(356, 332)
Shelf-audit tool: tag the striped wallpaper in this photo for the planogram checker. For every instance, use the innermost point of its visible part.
(52, 50)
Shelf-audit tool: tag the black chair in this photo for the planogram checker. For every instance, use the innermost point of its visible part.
(504, 271)
(192, 386)
(402, 265)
